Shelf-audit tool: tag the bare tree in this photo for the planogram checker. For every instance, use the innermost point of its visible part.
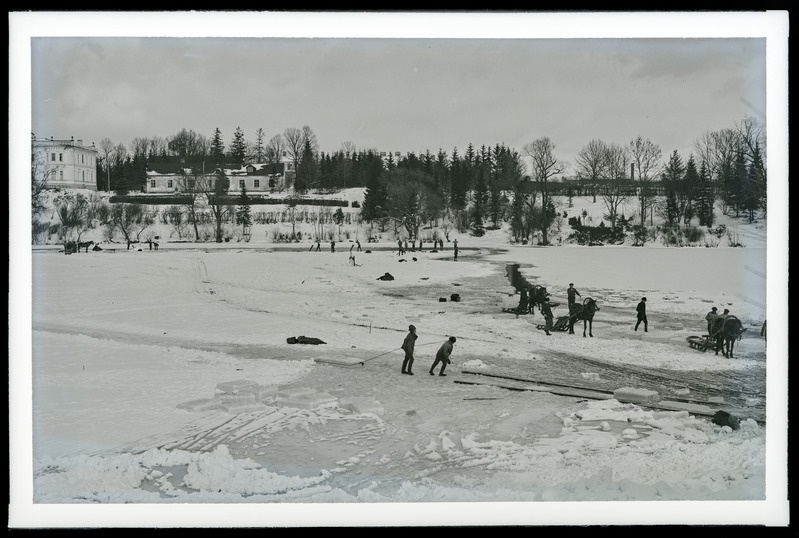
(646, 156)
(615, 184)
(140, 147)
(177, 217)
(158, 146)
(106, 152)
(590, 162)
(215, 189)
(310, 137)
(71, 211)
(274, 155)
(188, 145)
(753, 137)
(545, 167)
(190, 186)
(294, 144)
(41, 174)
(348, 148)
(131, 220)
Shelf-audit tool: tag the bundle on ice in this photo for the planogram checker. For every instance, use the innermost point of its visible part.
(304, 340)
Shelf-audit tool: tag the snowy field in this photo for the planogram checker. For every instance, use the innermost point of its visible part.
(162, 384)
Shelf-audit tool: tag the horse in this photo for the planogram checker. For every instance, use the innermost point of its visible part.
(586, 313)
(537, 294)
(725, 331)
(85, 245)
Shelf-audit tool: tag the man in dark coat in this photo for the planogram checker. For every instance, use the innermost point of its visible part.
(407, 347)
(572, 295)
(711, 317)
(641, 309)
(455, 248)
(443, 356)
(546, 310)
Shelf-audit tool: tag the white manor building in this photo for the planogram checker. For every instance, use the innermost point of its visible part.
(65, 163)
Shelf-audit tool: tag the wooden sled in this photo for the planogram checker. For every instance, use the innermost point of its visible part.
(699, 342)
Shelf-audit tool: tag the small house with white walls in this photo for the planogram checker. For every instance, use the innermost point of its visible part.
(176, 177)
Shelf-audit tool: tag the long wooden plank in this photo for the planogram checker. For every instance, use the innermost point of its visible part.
(561, 391)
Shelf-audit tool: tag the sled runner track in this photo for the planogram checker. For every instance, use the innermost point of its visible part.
(695, 407)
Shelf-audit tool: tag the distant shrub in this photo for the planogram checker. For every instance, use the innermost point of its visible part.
(693, 234)
(594, 235)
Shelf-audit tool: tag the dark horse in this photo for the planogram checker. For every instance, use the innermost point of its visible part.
(537, 294)
(725, 331)
(583, 312)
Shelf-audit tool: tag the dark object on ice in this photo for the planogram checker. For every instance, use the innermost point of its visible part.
(455, 298)
(304, 340)
(442, 299)
(387, 276)
(97, 248)
(414, 259)
(368, 251)
(402, 260)
(723, 418)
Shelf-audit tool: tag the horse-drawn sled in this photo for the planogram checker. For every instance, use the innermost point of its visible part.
(724, 331)
(531, 298)
(579, 312)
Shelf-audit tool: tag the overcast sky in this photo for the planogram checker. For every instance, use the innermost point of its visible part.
(408, 94)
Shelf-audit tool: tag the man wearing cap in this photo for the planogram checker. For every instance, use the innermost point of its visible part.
(711, 317)
(443, 356)
(546, 310)
(572, 294)
(641, 309)
(407, 347)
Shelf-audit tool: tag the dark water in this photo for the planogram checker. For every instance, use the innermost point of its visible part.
(515, 277)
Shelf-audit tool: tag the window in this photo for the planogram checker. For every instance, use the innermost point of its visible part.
(241, 183)
(60, 157)
(152, 183)
(83, 176)
(191, 184)
(52, 157)
(81, 158)
(169, 183)
(61, 175)
(256, 183)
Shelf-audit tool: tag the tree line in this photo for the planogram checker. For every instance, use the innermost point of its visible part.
(482, 187)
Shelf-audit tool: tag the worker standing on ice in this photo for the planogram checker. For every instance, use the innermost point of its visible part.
(407, 347)
(546, 310)
(572, 295)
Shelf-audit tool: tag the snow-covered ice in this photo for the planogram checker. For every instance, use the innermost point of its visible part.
(132, 353)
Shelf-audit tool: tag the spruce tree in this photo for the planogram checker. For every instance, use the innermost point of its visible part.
(688, 192)
(238, 147)
(705, 198)
(243, 211)
(217, 148)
